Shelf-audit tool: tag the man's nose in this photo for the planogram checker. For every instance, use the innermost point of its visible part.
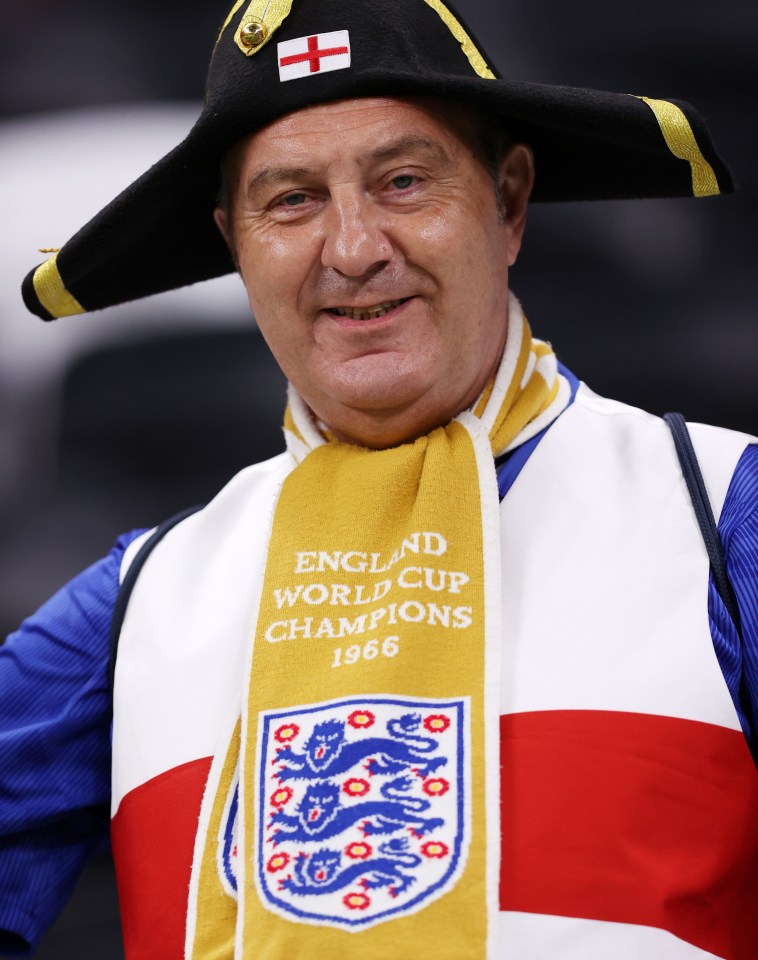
(356, 242)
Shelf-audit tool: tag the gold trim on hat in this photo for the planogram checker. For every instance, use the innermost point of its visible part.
(266, 14)
(680, 140)
(51, 293)
(475, 58)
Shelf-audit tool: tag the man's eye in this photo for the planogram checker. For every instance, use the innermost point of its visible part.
(403, 181)
(293, 200)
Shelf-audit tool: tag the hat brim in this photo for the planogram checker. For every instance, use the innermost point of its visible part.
(159, 233)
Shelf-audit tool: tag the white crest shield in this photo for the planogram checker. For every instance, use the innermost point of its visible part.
(363, 808)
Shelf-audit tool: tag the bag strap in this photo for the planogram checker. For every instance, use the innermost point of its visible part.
(127, 585)
(703, 512)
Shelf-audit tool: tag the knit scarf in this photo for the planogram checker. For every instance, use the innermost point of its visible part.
(353, 809)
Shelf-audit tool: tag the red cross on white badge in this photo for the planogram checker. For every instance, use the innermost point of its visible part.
(316, 54)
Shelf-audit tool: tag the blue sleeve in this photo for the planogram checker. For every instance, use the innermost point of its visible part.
(55, 714)
(738, 529)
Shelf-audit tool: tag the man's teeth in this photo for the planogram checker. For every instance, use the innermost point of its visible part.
(367, 313)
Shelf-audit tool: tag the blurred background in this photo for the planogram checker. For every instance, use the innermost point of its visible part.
(119, 419)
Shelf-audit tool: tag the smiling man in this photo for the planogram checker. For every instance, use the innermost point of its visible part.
(365, 251)
(468, 671)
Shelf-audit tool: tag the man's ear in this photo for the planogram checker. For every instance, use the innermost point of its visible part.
(222, 222)
(516, 179)
(221, 219)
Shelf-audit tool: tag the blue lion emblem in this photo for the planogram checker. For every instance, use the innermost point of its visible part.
(361, 807)
(320, 871)
(320, 814)
(328, 753)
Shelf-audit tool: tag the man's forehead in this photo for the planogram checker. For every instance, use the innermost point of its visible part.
(444, 111)
(379, 127)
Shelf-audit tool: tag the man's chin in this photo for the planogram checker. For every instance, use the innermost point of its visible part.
(378, 383)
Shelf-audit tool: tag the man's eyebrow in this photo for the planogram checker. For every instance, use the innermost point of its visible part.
(272, 176)
(411, 143)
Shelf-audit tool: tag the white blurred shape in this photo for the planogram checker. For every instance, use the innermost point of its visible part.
(56, 172)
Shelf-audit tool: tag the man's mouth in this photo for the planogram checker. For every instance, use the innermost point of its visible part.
(367, 313)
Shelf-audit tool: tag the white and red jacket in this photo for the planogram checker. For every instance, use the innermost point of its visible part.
(628, 793)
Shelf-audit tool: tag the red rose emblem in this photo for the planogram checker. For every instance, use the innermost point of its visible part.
(281, 796)
(361, 719)
(436, 723)
(278, 862)
(435, 849)
(356, 901)
(355, 787)
(358, 851)
(287, 732)
(436, 786)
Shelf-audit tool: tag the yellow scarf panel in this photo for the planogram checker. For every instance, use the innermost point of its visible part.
(366, 819)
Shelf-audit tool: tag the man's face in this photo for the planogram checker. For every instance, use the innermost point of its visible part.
(375, 259)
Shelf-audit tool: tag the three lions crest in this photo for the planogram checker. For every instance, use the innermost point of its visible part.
(363, 804)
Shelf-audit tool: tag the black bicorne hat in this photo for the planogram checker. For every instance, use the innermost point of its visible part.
(275, 56)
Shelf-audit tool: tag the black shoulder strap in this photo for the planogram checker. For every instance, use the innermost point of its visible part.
(702, 505)
(127, 585)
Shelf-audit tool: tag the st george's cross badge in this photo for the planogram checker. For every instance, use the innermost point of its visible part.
(319, 53)
(362, 808)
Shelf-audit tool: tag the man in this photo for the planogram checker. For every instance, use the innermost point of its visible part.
(447, 678)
